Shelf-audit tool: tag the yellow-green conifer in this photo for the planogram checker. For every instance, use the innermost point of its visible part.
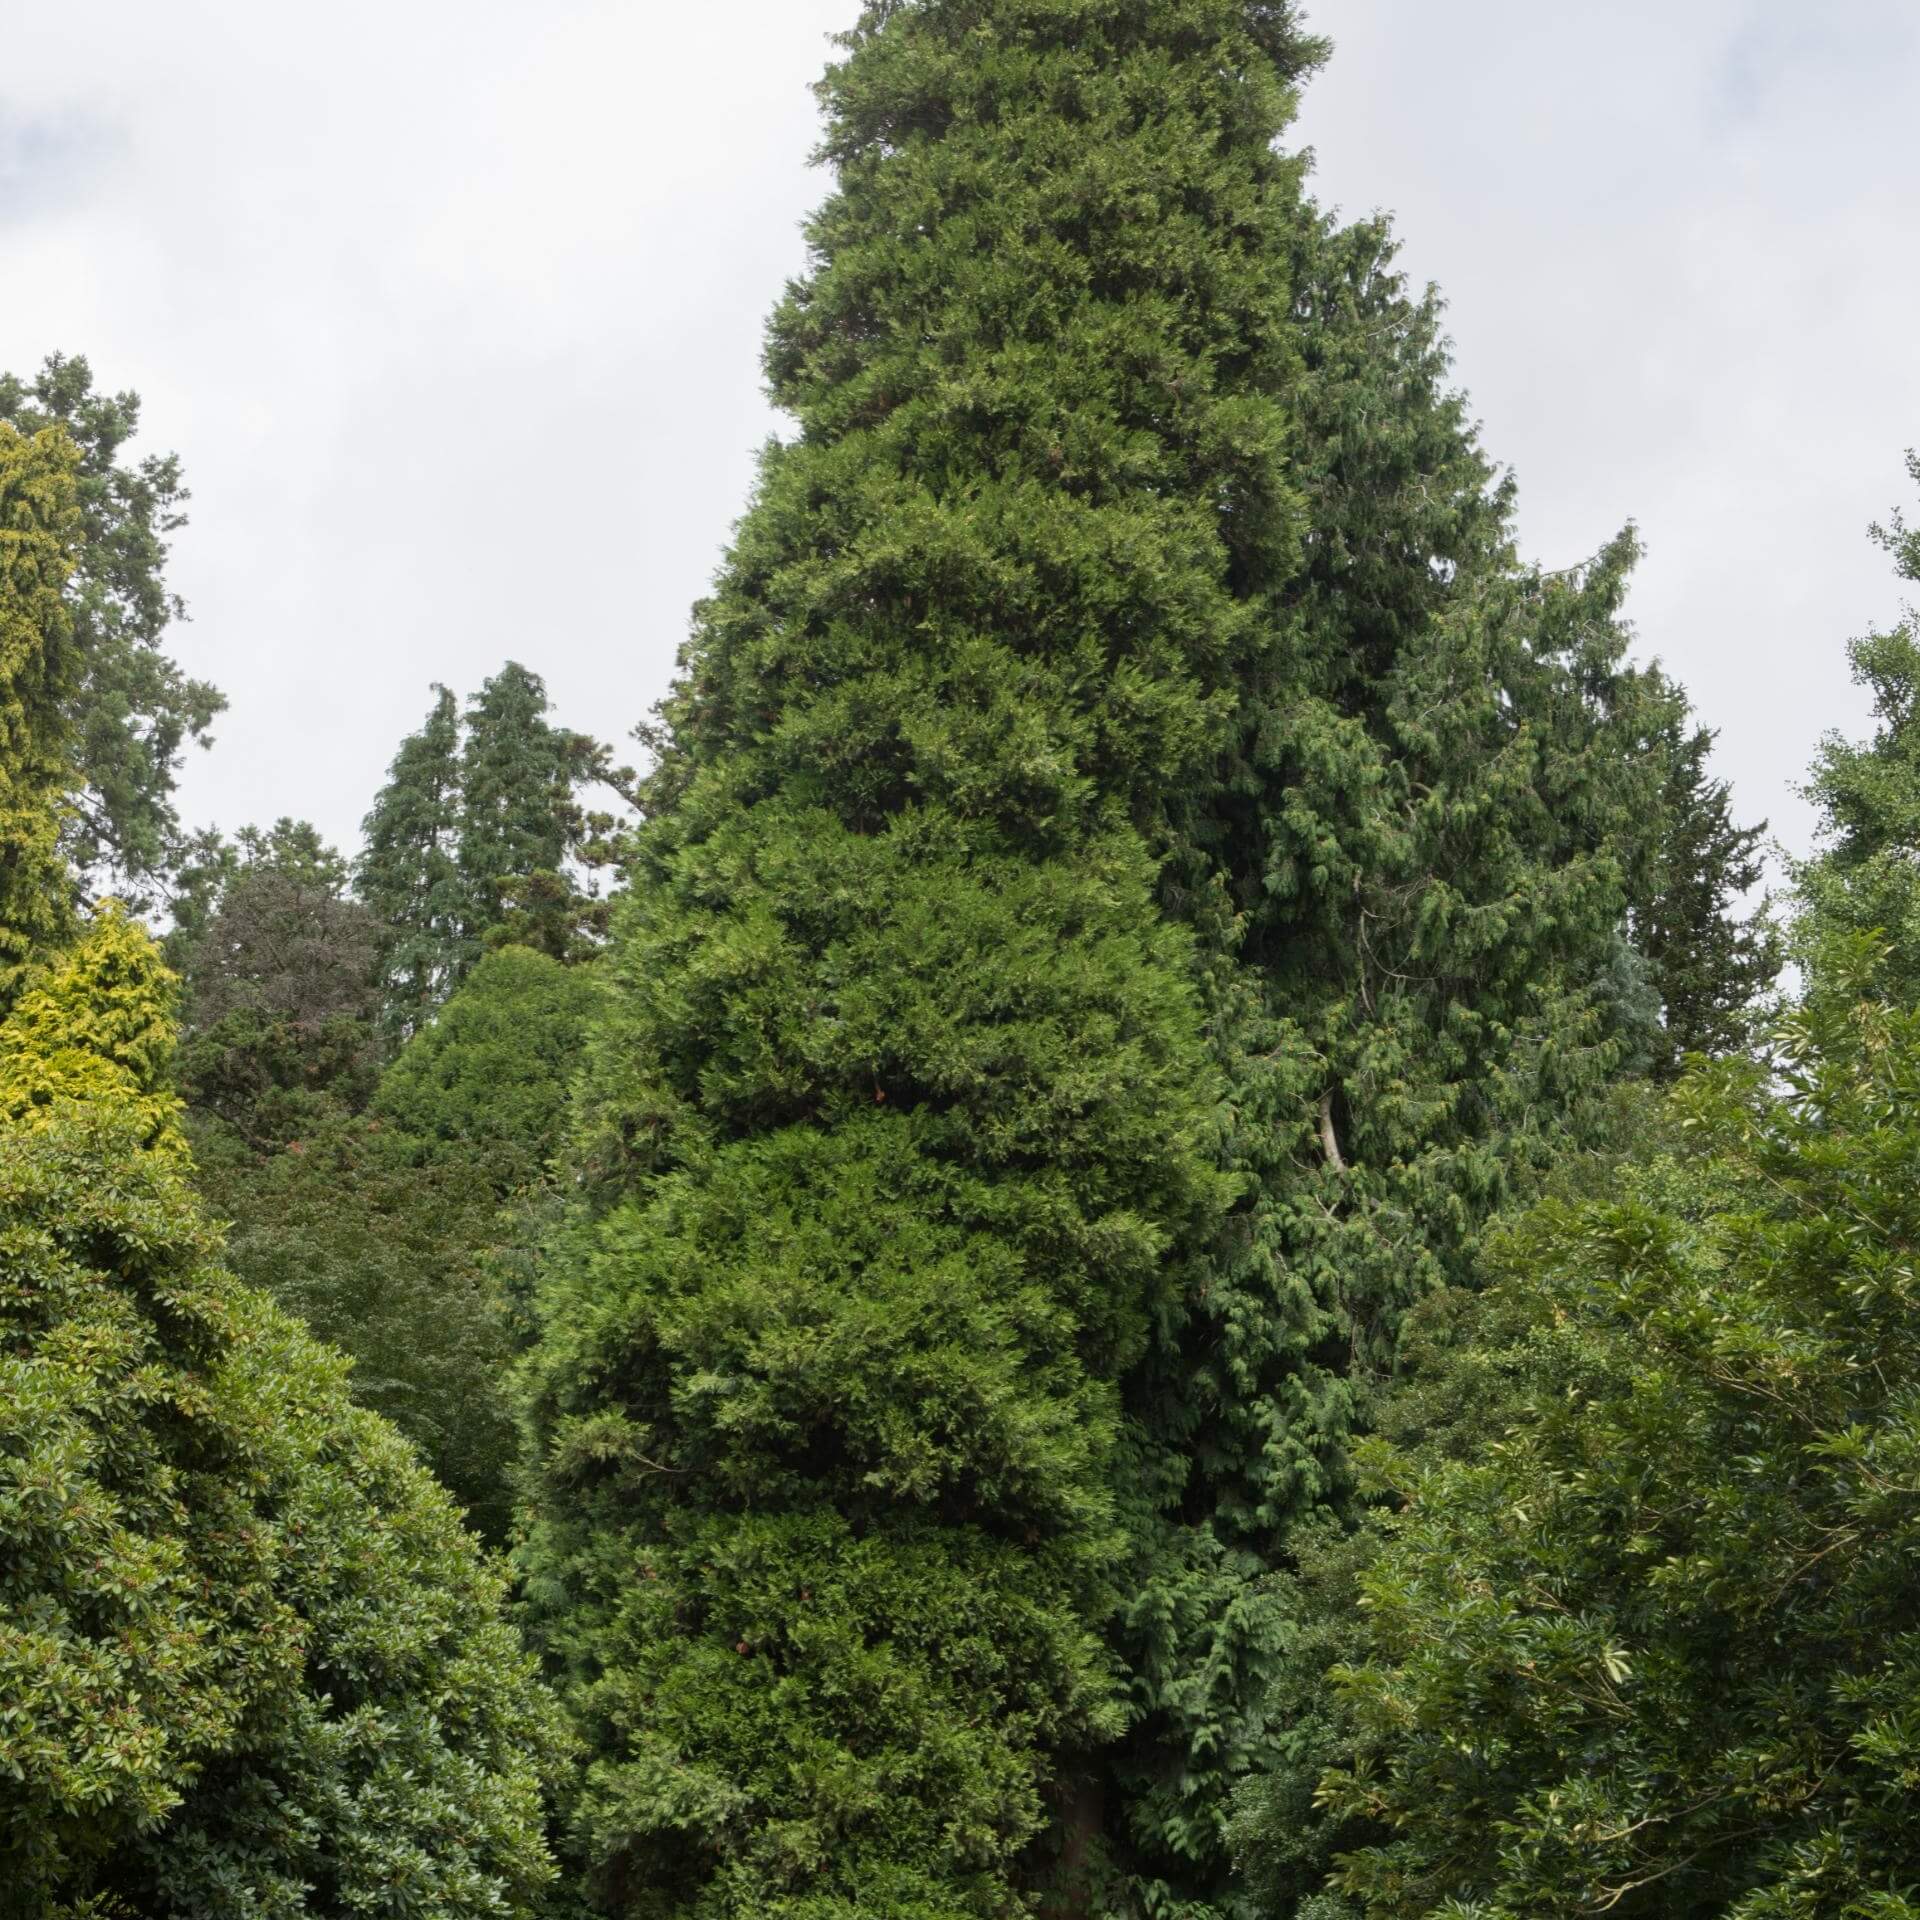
(39, 528)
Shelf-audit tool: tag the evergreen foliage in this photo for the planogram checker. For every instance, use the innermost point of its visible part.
(395, 1229)
(1864, 881)
(400, 1235)
(391, 1261)
(1709, 965)
(408, 873)
(130, 709)
(1650, 1654)
(39, 670)
(249, 1662)
(487, 1082)
(480, 839)
(1125, 485)
(516, 786)
(1413, 866)
(95, 1022)
(1140, 889)
(903, 1137)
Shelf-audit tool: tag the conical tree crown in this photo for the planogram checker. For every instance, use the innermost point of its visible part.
(408, 872)
(1863, 879)
(514, 788)
(95, 1024)
(1039, 487)
(899, 1117)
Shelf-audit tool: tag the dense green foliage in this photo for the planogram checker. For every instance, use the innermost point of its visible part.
(488, 1081)
(282, 991)
(526, 838)
(480, 838)
(1126, 487)
(390, 1262)
(1141, 892)
(1864, 879)
(1709, 965)
(39, 667)
(399, 1233)
(1651, 1653)
(407, 872)
(249, 1661)
(1414, 866)
(382, 1220)
(129, 708)
(892, 989)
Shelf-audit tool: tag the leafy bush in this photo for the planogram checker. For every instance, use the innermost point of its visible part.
(250, 1661)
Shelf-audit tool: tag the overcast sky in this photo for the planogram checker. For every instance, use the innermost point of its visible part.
(453, 311)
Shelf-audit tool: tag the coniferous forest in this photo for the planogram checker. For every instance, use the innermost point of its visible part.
(1148, 1229)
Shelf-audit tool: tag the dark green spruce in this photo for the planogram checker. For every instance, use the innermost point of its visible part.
(408, 872)
(1709, 963)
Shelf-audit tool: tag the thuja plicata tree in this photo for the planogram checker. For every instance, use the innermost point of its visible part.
(900, 1120)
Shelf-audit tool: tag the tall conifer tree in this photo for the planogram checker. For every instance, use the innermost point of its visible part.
(409, 873)
(1863, 880)
(1413, 868)
(516, 786)
(899, 1116)
(1709, 964)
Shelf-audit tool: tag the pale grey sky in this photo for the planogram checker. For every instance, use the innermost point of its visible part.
(453, 311)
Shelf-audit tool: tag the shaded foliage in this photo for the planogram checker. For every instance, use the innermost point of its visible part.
(1650, 1652)
(388, 1260)
(1709, 965)
(283, 990)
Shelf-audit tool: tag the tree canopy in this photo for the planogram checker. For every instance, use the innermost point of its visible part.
(130, 708)
(1862, 879)
(1647, 1652)
(1108, 1281)
(249, 1660)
